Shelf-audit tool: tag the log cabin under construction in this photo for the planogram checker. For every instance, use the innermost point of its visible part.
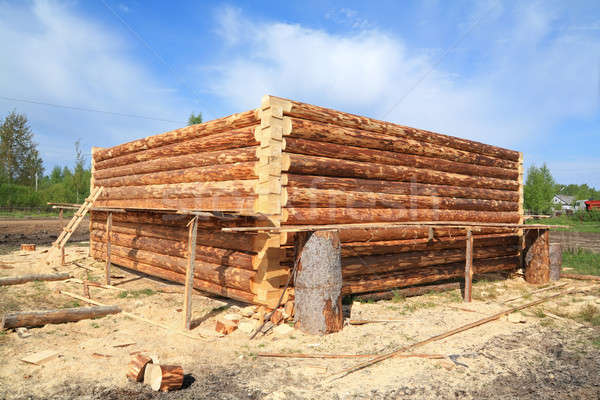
(290, 163)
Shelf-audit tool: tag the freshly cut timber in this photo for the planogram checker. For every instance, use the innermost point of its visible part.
(17, 280)
(40, 318)
(290, 163)
(137, 367)
(163, 377)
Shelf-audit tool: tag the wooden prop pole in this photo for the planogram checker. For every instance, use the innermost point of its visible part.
(189, 274)
(108, 232)
(469, 267)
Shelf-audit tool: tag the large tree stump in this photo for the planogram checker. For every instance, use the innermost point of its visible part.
(537, 256)
(137, 367)
(555, 261)
(163, 377)
(318, 285)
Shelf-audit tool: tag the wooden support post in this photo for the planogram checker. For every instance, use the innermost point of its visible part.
(537, 257)
(469, 267)
(108, 230)
(189, 273)
(318, 285)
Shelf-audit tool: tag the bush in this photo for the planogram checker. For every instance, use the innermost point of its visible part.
(588, 216)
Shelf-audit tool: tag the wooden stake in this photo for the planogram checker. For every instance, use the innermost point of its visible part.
(469, 267)
(189, 273)
(108, 229)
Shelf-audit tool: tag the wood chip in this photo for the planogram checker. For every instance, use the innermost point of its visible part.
(125, 344)
(98, 355)
(41, 357)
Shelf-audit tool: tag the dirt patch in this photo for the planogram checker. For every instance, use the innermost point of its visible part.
(38, 230)
(541, 357)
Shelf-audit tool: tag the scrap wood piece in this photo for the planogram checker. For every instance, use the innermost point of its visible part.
(95, 284)
(4, 265)
(17, 280)
(372, 321)
(83, 266)
(137, 367)
(462, 309)
(581, 277)
(39, 318)
(163, 377)
(126, 344)
(98, 355)
(135, 316)
(463, 328)
(41, 357)
(27, 247)
(302, 355)
(535, 291)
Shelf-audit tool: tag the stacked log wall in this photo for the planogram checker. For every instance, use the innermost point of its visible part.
(340, 168)
(208, 166)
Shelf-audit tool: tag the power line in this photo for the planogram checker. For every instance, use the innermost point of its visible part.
(43, 103)
(439, 60)
(147, 45)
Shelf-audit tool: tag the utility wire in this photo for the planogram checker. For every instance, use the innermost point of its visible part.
(438, 61)
(43, 103)
(147, 45)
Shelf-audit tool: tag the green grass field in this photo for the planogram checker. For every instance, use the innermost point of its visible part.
(582, 261)
(575, 223)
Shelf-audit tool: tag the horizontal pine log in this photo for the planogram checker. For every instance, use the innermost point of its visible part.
(224, 240)
(178, 277)
(17, 280)
(408, 292)
(176, 248)
(321, 114)
(406, 188)
(231, 277)
(171, 219)
(443, 159)
(235, 121)
(387, 263)
(418, 276)
(321, 216)
(352, 249)
(311, 165)
(217, 203)
(40, 318)
(167, 163)
(220, 141)
(181, 190)
(318, 198)
(214, 173)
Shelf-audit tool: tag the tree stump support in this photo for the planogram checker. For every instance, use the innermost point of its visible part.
(537, 256)
(318, 285)
(189, 273)
(555, 261)
(469, 267)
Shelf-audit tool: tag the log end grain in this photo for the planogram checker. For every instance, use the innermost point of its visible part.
(225, 326)
(163, 377)
(27, 247)
(137, 368)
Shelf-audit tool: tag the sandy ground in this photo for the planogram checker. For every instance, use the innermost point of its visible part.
(540, 357)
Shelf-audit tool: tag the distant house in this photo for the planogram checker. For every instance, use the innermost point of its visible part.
(563, 201)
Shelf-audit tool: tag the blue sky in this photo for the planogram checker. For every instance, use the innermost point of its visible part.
(523, 75)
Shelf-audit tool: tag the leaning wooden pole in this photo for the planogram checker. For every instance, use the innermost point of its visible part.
(108, 232)
(469, 267)
(452, 332)
(189, 273)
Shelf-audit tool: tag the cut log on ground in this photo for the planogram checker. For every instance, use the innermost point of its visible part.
(27, 247)
(137, 367)
(163, 377)
(17, 280)
(318, 284)
(39, 318)
(581, 277)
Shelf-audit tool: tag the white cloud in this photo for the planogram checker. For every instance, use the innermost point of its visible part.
(54, 55)
(530, 81)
